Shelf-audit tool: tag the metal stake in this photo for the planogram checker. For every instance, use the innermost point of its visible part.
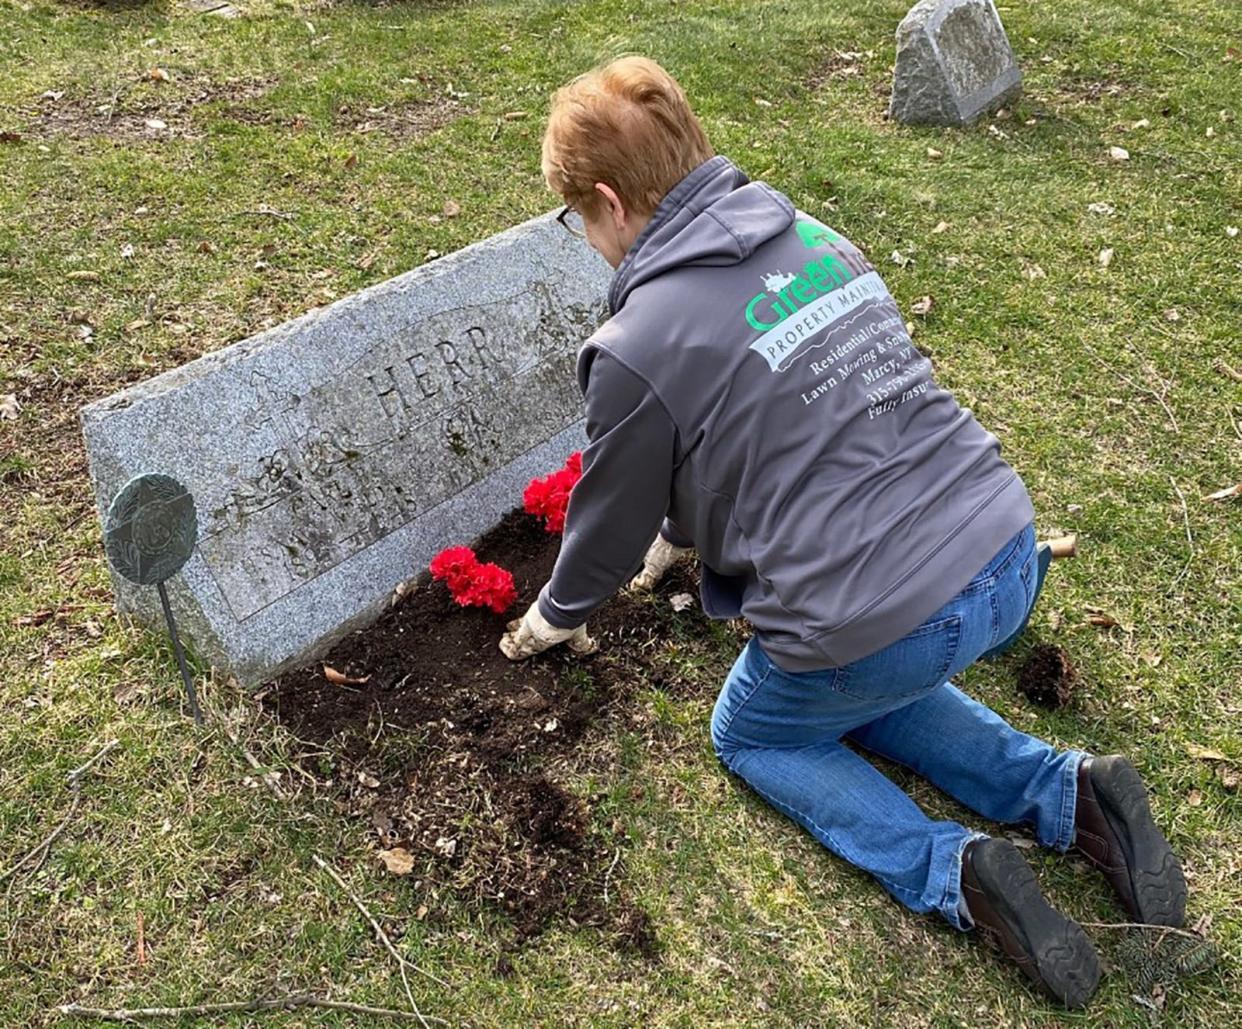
(185, 672)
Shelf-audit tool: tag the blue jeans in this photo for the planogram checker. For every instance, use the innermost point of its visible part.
(782, 733)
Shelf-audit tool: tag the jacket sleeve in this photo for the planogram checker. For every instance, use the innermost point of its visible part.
(618, 505)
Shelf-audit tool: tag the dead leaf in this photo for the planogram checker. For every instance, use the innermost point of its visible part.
(340, 679)
(680, 601)
(1105, 257)
(451, 209)
(940, 227)
(8, 136)
(934, 154)
(136, 324)
(206, 247)
(368, 780)
(351, 162)
(1142, 123)
(1100, 207)
(1232, 53)
(1229, 777)
(1231, 231)
(156, 124)
(366, 260)
(127, 251)
(9, 407)
(158, 75)
(922, 306)
(1206, 753)
(1225, 494)
(34, 620)
(83, 276)
(398, 860)
(52, 94)
(899, 259)
(421, 912)
(1194, 798)
(1172, 315)
(446, 846)
(515, 115)
(1118, 153)
(551, 726)
(1152, 658)
(1034, 271)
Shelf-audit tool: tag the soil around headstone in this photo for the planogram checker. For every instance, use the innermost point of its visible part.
(463, 758)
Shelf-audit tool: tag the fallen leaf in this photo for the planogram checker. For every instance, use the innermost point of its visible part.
(1194, 798)
(1105, 257)
(1206, 753)
(934, 154)
(34, 620)
(940, 227)
(446, 846)
(1118, 153)
(1231, 231)
(451, 209)
(127, 251)
(760, 102)
(9, 407)
(1209, 132)
(136, 324)
(366, 260)
(1232, 53)
(351, 162)
(999, 134)
(1151, 658)
(1104, 621)
(421, 912)
(1225, 494)
(1034, 271)
(156, 124)
(83, 276)
(398, 860)
(10, 137)
(515, 115)
(206, 247)
(680, 601)
(922, 306)
(1142, 123)
(899, 259)
(1229, 777)
(51, 94)
(551, 725)
(158, 75)
(332, 675)
(1100, 207)
(1172, 315)
(368, 780)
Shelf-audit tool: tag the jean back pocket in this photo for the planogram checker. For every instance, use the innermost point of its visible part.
(914, 664)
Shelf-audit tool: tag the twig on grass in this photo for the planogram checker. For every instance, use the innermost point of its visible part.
(75, 787)
(1137, 386)
(266, 212)
(402, 962)
(1190, 540)
(251, 760)
(608, 874)
(1163, 930)
(299, 1000)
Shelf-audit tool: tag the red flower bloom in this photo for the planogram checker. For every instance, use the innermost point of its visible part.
(473, 584)
(548, 497)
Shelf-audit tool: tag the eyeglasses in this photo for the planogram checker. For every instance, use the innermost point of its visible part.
(572, 221)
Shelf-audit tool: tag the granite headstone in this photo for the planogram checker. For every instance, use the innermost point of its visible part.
(331, 457)
(954, 63)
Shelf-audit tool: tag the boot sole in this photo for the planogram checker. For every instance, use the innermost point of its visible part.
(1155, 872)
(1060, 957)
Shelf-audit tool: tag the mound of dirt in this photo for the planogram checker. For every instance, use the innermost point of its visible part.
(452, 752)
(1048, 676)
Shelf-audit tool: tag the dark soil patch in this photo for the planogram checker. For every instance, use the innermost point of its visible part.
(453, 753)
(401, 121)
(1048, 676)
(134, 111)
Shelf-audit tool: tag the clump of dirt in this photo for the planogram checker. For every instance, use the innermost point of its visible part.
(454, 753)
(1048, 676)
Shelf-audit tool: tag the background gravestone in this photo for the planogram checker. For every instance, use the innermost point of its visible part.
(954, 63)
(331, 457)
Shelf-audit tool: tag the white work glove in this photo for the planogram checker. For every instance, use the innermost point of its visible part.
(533, 634)
(661, 556)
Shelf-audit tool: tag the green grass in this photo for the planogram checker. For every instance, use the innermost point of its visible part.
(758, 924)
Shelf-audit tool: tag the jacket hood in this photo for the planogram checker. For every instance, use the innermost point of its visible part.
(714, 216)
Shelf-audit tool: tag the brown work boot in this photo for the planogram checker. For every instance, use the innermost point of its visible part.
(1116, 833)
(1005, 903)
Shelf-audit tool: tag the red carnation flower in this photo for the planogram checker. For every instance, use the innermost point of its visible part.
(473, 584)
(548, 497)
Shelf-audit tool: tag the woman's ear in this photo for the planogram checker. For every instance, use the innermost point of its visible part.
(615, 207)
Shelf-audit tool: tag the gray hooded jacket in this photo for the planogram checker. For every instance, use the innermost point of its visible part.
(755, 386)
